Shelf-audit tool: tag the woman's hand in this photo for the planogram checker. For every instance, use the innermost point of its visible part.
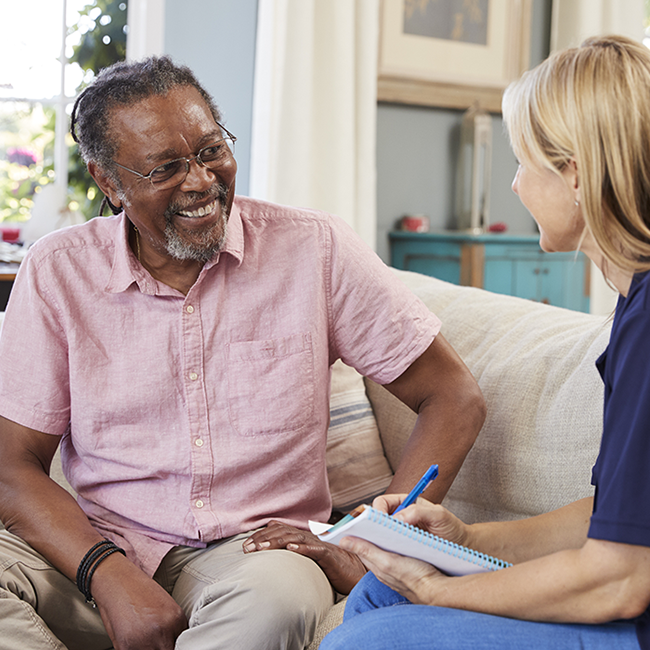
(431, 517)
(343, 569)
(413, 579)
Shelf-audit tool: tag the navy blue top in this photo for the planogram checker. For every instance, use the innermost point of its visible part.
(622, 471)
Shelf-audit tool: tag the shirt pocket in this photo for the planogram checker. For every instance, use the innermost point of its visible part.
(271, 385)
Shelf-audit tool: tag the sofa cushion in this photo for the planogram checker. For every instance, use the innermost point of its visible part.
(535, 366)
(357, 468)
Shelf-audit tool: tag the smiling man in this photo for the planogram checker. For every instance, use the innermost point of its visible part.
(179, 353)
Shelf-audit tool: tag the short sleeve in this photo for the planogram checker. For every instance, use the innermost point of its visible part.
(621, 472)
(378, 325)
(34, 382)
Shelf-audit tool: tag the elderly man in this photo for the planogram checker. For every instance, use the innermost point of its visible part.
(179, 352)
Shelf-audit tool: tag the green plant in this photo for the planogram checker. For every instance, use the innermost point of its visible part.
(26, 157)
(102, 24)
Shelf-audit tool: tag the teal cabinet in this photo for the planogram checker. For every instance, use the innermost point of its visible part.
(510, 264)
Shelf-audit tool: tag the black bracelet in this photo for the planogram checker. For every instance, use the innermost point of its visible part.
(86, 561)
(95, 556)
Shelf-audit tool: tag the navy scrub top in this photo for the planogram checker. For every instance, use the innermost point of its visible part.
(621, 474)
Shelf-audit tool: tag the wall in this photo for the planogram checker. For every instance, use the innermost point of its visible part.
(416, 146)
(216, 38)
(417, 151)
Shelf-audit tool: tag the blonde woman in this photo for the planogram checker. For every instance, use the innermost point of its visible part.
(579, 124)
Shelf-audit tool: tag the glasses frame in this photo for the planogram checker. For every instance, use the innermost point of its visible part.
(197, 157)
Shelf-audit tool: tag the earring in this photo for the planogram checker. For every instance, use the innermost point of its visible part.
(576, 202)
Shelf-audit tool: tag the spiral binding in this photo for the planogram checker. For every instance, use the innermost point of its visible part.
(438, 543)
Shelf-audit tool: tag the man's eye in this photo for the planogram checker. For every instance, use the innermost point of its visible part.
(213, 152)
(163, 172)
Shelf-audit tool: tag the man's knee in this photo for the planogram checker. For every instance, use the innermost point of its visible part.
(275, 599)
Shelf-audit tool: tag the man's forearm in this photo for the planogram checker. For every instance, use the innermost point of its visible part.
(451, 411)
(442, 439)
(47, 517)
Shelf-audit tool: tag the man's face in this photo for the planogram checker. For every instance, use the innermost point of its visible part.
(187, 221)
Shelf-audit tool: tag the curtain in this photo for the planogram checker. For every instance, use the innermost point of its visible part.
(315, 107)
(572, 21)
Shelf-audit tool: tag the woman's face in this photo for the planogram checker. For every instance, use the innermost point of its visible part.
(551, 200)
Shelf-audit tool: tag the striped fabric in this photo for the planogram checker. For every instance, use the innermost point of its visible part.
(356, 465)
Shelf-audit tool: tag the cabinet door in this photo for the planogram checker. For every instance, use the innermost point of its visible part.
(438, 259)
(447, 269)
(540, 281)
(540, 277)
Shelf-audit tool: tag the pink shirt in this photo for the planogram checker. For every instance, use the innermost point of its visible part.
(187, 419)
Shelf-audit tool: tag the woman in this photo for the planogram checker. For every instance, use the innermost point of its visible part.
(580, 126)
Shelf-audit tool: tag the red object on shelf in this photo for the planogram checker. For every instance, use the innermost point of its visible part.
(415, 223)
(10, 234)
(499, 226)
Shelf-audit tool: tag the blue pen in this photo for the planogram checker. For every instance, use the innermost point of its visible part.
(421, 486)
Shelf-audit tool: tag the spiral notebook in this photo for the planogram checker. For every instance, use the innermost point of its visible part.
(398, 537)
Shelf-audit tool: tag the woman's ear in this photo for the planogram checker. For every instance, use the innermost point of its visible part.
(573, 179)
(106, 185)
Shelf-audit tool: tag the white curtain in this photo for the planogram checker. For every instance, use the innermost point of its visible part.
(315, 107)
(572, 22)
(575, 20)
(146, 21)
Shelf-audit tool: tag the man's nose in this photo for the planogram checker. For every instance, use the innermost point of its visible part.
(199, 177)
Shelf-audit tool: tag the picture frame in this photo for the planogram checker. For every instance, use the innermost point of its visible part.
(448, 66)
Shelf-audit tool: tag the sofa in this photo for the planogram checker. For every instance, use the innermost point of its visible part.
(535, 366)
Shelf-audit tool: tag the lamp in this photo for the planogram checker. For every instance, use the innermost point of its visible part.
(474, 168)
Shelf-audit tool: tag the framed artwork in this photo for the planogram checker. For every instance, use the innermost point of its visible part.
(452, 53)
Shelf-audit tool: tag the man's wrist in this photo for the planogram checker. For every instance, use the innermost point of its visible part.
(89, 564)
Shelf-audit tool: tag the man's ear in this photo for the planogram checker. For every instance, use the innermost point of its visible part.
(105, 184)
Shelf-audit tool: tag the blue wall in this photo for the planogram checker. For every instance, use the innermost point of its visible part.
(416, 146)
(417, 150)
(216, 38)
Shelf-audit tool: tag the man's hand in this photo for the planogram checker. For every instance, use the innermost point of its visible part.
(343, 569)
(137, 612)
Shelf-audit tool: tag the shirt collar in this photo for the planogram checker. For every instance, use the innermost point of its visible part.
(234, 244)
(126, 269)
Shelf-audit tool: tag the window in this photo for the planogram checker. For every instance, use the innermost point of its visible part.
(54, 47)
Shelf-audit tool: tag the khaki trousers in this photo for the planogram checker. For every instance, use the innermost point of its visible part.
(264, 600)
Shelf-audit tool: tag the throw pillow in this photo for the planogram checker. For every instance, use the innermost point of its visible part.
(356, 465)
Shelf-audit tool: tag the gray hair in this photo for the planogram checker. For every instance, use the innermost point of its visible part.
(124, 84)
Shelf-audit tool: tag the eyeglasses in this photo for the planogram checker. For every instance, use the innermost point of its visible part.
(174, 172)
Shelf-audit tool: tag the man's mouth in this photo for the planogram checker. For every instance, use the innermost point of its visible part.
(200, 212)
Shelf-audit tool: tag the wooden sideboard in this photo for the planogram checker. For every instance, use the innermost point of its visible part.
(503, 263)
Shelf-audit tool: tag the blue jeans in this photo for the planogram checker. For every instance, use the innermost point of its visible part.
(379, 618)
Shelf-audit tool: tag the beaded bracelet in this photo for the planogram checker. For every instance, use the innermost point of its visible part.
(93, 558)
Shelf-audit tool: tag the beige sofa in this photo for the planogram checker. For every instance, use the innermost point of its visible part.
(535, 365)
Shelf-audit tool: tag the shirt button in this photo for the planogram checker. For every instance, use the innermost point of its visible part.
(198, 442)
(193, 376)
(199, 504)
(189, 309)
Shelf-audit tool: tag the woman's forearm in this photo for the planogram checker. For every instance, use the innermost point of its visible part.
(526, 539)
(600, 582)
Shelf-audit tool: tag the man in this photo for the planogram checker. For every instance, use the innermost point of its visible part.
(180, 354)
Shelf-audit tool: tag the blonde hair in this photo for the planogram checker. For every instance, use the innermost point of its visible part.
(592, 104)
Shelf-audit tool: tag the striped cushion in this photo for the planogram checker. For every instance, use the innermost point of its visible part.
(356, 465)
